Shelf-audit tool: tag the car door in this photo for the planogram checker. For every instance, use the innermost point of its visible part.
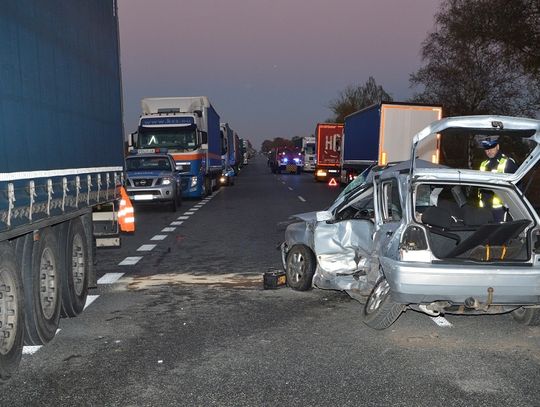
(388, 216)
(343, 244)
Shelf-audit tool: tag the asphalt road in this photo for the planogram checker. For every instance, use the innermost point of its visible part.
(180, 318)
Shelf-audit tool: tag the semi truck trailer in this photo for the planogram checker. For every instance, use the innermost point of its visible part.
(61, 162)
(328, 140)
(188, 127)
(382, 133)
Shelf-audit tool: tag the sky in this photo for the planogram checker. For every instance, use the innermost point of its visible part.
(269, 67)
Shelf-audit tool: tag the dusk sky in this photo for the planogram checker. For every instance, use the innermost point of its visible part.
(269, 67)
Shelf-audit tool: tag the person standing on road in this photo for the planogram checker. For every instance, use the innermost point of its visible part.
(496, 162)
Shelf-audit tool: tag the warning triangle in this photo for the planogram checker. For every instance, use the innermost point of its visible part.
(332, 182)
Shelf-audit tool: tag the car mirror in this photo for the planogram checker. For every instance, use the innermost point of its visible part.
(324, 216)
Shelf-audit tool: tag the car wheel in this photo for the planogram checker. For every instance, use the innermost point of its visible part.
(300, 267)
(380, 311)
(527, 316)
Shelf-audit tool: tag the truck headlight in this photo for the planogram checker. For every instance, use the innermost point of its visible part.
(193, 182)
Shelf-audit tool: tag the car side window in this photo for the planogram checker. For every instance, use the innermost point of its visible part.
(391, 204)
(359, 206)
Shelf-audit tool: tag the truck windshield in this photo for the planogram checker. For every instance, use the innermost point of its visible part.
(309, 149)
(172, 138)
(148, 163)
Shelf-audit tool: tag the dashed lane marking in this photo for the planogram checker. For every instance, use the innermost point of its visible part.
(168, 230)
(301, 198)
(182, 217)
(189, 213)
(130, 261)
(146, 247)
(30, 350)
(176, 223)
(90, 299)
(441, 321)
(290, 189)
(283, 182)
(194, 209)
(159, 237)
(109, 278)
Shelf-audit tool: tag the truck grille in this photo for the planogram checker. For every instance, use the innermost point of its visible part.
(143, 182)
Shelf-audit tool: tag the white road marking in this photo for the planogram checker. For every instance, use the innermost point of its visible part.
(182, 217)
(159, 237)
(168, 230)
(176, 223)
(189, 213)
(146, 248)
(283, 182)
(194, 209)
(290, 189)
(130, 261)
(302, 199)
(442, 321)
(90, 299)
(110, 278)
(30, 350)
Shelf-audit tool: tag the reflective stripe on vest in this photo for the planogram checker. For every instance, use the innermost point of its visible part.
(500, 166)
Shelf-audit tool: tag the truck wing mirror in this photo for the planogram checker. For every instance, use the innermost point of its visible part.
(204, 137)
(131, 139)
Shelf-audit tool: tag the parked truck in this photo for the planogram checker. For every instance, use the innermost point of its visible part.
(308, 150)
(227, 135)
(328, 139)
(382, 133)
(61, 162)
(188, 127)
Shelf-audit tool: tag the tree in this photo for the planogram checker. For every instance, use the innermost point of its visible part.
(268, 145)
(354, 98)
(471, 73)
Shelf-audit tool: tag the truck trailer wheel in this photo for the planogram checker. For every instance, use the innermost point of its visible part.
(11, 313)
(41, 269)
(76, 268)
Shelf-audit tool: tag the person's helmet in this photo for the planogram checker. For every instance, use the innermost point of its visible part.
(489, 143)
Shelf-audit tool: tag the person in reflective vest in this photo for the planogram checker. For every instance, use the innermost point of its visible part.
(496, 162)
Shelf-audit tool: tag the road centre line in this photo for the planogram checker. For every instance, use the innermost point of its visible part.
(130, 261)
(189, 212)
(146, 247)
(109, 278)
(302, 199)
(159, 237)
(176, 223)
(182, 217)
(442, 322)
(168, 230)
(283, 182)
(290, 189)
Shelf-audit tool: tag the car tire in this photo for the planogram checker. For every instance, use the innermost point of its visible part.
(76, 269)
(380, 311)
(300, 268)
(527, 316)
(11, 312)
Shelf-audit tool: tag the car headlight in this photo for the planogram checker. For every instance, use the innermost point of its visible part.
(194, 182)
(166, 181)
(297, 160)
(285, 160)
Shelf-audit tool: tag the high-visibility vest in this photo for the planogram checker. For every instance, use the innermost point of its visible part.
(501, 166)
(126, 214)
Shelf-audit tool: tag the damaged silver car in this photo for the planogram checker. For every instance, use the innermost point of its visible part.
(413, 235)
